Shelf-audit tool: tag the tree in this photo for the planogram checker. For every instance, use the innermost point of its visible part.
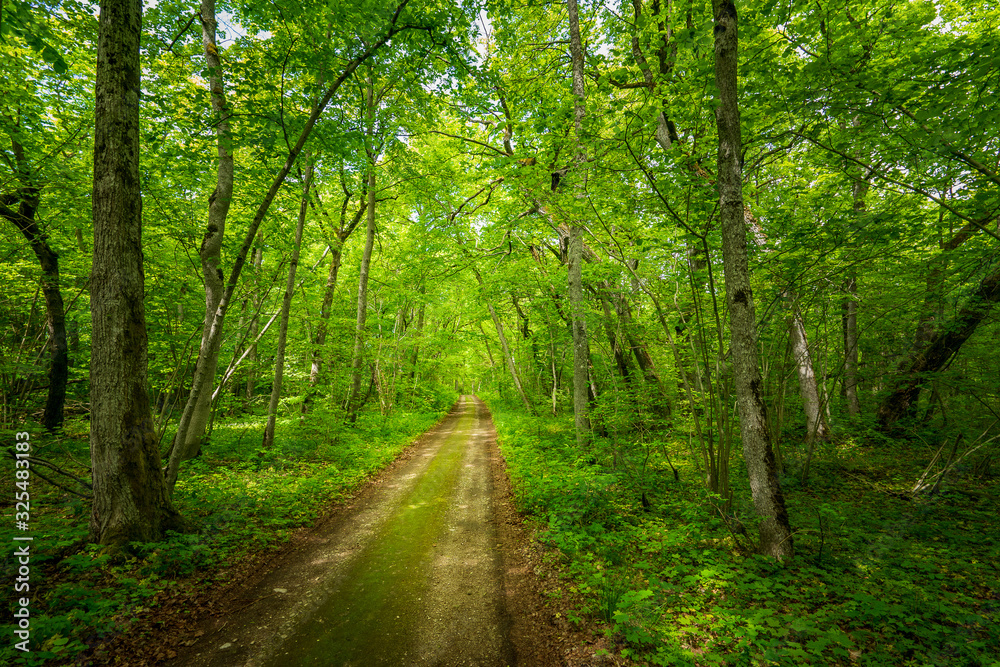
(372, 154)
(581, 346)
(19, 208)
(924, 361)
(286, 308)
(775, 532)
(44, 147)
(131, 502)
(195, 416)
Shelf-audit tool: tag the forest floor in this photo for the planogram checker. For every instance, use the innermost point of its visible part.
(429, 564)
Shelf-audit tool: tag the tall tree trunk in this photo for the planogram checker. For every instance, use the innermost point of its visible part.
(286, 307)
(357, 358)
(775, 532)
(188, 435)
(131, 502)
(415, 357)
(850, 329)
(643, 359)
(621, 359)
(194, 419)
(340, 236)
(581, 344)
(23, 218)
(859, 189)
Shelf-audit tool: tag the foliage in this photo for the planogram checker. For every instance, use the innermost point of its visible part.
(879, 578)
(870, 181)
(242, 500)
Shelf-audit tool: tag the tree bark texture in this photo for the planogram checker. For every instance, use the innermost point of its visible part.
(775, 533)
(816, 429)
(131, 502)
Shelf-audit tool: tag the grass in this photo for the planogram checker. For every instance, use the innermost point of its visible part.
(240, 498)
(879, 577)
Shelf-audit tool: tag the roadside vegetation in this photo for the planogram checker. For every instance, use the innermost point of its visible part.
(746, 254)
(881, 576)
(240, 499)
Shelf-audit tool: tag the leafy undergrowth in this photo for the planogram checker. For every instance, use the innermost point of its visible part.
(879, 578)
(240, 499)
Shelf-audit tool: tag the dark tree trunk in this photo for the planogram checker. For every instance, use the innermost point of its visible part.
(936, 352)
(130, 496)
(354, 401)
(23, 218)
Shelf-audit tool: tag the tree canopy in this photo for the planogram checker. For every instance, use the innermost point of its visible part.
(599, 210)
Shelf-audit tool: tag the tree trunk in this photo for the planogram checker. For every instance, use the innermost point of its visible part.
(581, 345)
(816, 429)
(131, 502)
(775, 532)
(366, 260)
(508, 357)
(286, 307)
(621, 360)
(189, 435)
(850, 330)
(23, 218)
(340, 236)
(938, 351)
(194, 419)
(418, 337)
(859, 189)
(256, 261)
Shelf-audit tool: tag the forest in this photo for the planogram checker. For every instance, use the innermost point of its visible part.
(725, 273)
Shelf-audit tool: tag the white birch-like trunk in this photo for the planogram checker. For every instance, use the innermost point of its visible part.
(816, 429)
(194, 419)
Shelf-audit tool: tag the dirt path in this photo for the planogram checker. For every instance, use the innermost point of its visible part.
(427, 567)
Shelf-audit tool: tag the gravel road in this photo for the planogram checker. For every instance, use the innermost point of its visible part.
(410, 573)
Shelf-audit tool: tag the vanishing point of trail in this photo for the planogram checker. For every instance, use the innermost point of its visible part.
(408, 575)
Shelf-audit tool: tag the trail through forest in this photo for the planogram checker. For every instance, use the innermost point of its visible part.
(413, 572)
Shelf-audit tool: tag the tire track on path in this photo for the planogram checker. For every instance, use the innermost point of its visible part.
(410, 574)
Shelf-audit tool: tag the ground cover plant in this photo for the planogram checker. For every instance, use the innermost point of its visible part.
(239, 498)
(751, 248)
(880, 577)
